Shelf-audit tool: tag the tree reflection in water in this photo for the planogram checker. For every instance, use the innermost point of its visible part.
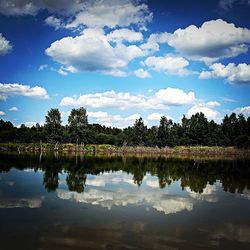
(195, 174)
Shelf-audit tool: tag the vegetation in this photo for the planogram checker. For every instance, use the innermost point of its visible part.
(194, 131)
(195, 174)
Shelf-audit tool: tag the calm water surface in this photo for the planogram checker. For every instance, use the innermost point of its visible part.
(84, 202)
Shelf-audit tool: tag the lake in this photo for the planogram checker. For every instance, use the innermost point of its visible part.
(114, 202)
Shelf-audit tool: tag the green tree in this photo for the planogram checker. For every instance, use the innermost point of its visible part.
(139, 131)
(164, 136)
(151, 138)
(198, 130)
(78, 122)
(53, 126)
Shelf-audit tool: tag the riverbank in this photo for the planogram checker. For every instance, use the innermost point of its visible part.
(111, 149)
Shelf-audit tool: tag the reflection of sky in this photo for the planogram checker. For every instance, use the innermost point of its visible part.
(134, 210)
(24, 189)
(118, 189)
(22, 203)
(21, 189)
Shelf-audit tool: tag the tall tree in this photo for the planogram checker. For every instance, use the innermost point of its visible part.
(53, 126)
(78, 122)
(164, 136)
(198, 131)
(139, 131)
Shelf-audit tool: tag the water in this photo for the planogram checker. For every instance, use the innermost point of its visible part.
(86, 202)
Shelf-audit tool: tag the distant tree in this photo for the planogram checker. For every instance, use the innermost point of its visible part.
(139, 131)
(164, 136)
(198, 130)
(78, 122)
(53, 126)
(242, 141)
(151, 137)
(241, 127)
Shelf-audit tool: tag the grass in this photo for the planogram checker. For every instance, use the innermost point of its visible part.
(106, 148)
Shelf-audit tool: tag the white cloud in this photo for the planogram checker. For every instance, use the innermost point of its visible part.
(243, 110)
(2, 113)
(157, 117)
(112, 14)
(209, 193)
(22, 203)
(91, 51)
(206, 109)
(141, 73)
(42, 67)
(78, 13)
(108, 199)
(16, 89)
(233, 73)
(212, 104)
(54, 22)
(215, 39)
(120, 35)
(13, 109)
(113, 120)
(154, 40)
(5, 46)
(124, 100)
(174, 96)
(170, 64)
(28, 124)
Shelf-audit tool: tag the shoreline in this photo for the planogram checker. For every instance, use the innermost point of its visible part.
(68, 148)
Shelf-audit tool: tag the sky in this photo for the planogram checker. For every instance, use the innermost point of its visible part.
(124, 59)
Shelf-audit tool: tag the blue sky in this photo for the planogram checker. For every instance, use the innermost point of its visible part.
(122, 59)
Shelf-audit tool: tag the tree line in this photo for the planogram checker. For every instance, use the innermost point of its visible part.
(234, 175)
(196, 130)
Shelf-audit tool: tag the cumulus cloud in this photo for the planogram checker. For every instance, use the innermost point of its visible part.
(212, 104)
(170, 64)
(243, 110)
(91, 51)
(113, 120)
(128, 35)
(81, 13)
(232, 73)
(109, 199)
(206, 109)
(13, 109)
(5, 46)
(174, 96)
(112, 14)
(124, 100)
(16, 89)
(22, 203)
(154, 40)
(141, 73)
(32, 7)
(2, 113)
(29, 124)
(55, 22)
(215, 39)
(209, 193)
(157, 117)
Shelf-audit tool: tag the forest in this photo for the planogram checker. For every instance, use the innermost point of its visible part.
(196, 130)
